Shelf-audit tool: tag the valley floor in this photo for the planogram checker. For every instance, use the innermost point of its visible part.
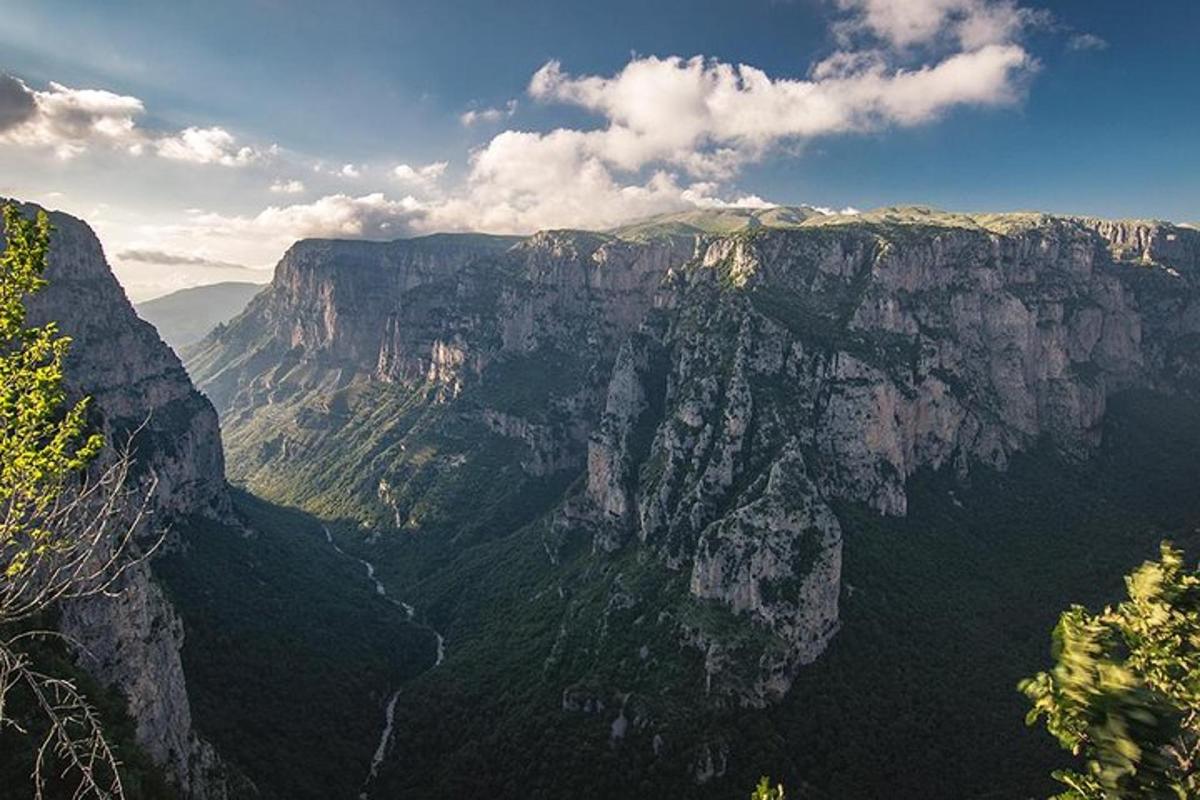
(292, 654)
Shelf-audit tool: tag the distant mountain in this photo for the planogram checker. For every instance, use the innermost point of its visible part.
(184, 317)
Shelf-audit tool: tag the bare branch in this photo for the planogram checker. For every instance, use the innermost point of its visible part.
(99, 530)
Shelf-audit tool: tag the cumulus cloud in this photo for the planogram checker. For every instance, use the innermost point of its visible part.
(701, 195)
(372, 216)
(175, 259)
(17, 103)
(70, 121)
(287, 187)
(673, 131)
(200, 245)
(207, 146)
(905, 24)
(476, 116)
(350, 171)
(709, 117)
(422, 177)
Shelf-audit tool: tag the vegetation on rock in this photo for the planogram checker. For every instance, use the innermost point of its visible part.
(63, 534)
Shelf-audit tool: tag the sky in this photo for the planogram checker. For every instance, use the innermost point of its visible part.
(200, 139)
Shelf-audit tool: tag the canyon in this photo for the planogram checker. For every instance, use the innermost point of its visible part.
(628, 475)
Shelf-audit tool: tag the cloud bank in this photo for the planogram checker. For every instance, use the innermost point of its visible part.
(667, 133)
(676, 132)
(175, 259)
(71, 121)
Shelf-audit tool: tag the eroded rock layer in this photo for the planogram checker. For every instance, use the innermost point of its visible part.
(717, 394)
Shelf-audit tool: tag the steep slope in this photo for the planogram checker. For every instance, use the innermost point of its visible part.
(132, 640)
(832, 363)
(185, 317)
(312, 644)
(644, 447)
(352, 357)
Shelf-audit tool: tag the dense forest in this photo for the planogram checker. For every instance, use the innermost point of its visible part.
(944, 612)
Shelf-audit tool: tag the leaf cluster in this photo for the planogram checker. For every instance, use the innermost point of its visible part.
(43, 442)
(1124, 693)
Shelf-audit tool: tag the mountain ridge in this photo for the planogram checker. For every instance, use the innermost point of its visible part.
(186, 316)
(716, 391)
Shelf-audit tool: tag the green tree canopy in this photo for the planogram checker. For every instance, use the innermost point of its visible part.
(58, 533)
(1124, 693)
(42, 440)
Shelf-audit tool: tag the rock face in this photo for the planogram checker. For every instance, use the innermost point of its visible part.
(132, 641)
(722, 394)
(788, 369)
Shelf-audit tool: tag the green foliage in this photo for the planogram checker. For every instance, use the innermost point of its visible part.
(964, 586)
(945, 610)
(52, 715)
(289, 652)
(1125, 690)
(41, 446)
(764, 790)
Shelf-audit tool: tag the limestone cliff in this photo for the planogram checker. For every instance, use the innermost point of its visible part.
(720, 392)
(132, 640)
(834, 360)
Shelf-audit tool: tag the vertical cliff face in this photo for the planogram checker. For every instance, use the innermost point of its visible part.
(519, 333)
(438, 309)
(329, 315)
(132, 640)
(719, 395)
(786, 370)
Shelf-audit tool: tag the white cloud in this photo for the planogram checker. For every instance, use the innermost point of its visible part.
(350, 171)
(207, 146)
(701, 196)
(674, 130)
(165, 253)
(1086, 41)
(281, 186)
(423, 177)
(487, 115)
(71, 121)
(709, 117)
(68, 120)
(910, 23)
(269, 232)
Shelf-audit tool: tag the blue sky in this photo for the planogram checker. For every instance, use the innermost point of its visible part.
(225, 130)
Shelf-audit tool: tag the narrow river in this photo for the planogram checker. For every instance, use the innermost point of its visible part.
(389, 713)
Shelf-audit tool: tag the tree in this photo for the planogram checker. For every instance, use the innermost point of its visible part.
(67, 520)
(764, 790)
(1124, 693)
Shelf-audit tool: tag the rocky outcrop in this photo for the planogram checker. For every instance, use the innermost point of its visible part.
(437, 310)
(132, 640)
(516, 335)
(831, 362)
(722, 393)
